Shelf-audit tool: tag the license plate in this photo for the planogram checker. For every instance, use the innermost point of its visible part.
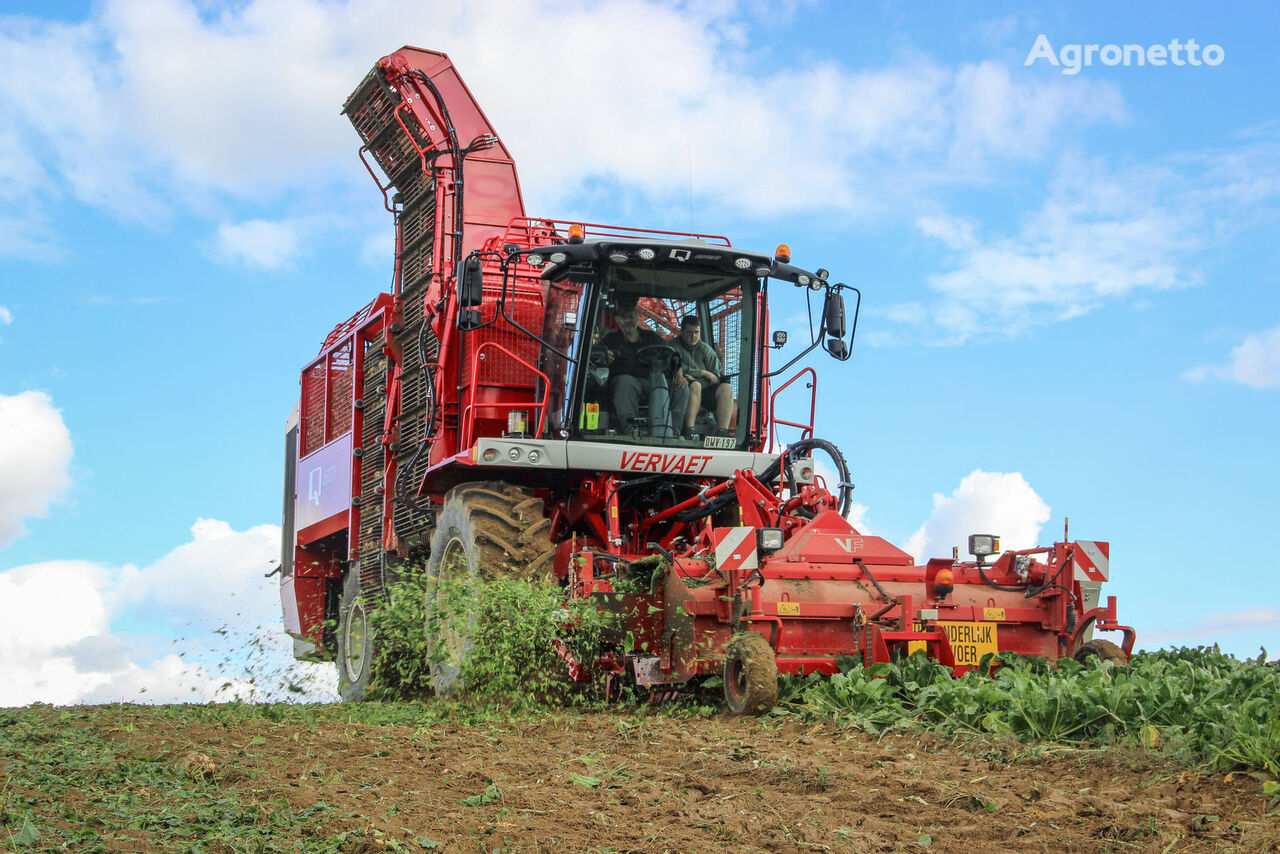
(971, 641)
(728, 442)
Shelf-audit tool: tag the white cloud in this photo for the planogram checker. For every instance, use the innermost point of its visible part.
(1255, 362)
(178, 103)
(200, 624)
(1097, 236)
(906, 312)
(857, 514)
(24, 186)
(983, 503)
(259, 243)
(6, 316)
(35, 453)
(857, 517)
(89, 150)
(215, 578)
(378, 249)
(1101, 234)
(953, 232)
(46, 610)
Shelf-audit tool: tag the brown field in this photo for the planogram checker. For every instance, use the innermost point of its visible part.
(132, 778)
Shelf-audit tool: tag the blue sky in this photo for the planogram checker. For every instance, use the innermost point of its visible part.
(1070, 287)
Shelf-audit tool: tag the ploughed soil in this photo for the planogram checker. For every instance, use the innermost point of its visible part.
(648, 781)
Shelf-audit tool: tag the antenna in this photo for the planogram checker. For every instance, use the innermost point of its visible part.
(689, 148)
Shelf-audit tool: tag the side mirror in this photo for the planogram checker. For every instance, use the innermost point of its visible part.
(835, 315)
(779, 339)
(471, 284)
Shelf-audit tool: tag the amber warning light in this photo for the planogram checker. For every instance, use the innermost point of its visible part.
(943, 583)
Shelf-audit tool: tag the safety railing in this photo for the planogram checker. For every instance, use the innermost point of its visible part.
(468, 412)
(806, 429)
(522, 227)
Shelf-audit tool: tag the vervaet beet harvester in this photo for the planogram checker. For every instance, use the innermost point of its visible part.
(470, 422)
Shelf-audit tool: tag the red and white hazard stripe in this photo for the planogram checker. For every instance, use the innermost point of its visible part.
(1092, 561)
(735, 548)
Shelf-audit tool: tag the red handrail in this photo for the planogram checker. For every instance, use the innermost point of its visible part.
(468, 413)
(774, 421)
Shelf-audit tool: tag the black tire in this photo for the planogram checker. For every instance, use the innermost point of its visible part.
(355, 640)
(750, 675)
(1105, 650)
(483, 530)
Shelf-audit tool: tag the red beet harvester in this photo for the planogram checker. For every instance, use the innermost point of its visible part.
(473, 422)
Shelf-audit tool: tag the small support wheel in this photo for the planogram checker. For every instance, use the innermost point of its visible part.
(1105, 650)
(355, 640)
(750, 675)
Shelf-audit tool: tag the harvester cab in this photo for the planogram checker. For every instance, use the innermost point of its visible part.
(660, 341)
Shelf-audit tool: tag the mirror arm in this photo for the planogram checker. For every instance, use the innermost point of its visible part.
(502, 311)
(820, 338)
(798, 357)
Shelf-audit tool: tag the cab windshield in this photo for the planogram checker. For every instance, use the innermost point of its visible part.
(666, 359)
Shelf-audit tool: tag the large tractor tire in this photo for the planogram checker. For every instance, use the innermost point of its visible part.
(355, 639)
(1105, 650)
(750, 675)
(483, 531)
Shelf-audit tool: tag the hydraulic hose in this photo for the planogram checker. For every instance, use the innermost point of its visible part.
(770, 474)
(707, 508)
(982, 571)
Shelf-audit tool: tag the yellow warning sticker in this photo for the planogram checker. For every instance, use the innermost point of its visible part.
(993, 613)
(788, 609)
(971, 641)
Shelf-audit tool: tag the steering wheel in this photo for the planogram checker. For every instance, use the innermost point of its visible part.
(656, 355)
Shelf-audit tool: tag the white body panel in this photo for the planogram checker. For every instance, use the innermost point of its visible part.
(603, 456)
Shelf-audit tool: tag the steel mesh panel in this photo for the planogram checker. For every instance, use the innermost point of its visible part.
(416, 267)
(312, 408)
(664, 316)
(498, 369)
(412, 456)
(372, 112)
(340, 379)
(416, 187)
(728, 343)
(417, 223)
(372, 464)
(369, 106)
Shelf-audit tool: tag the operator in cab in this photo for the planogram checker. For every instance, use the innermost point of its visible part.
(702, 370)
(639, 364)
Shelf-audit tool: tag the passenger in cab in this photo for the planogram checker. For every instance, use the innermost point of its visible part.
(702, 369)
